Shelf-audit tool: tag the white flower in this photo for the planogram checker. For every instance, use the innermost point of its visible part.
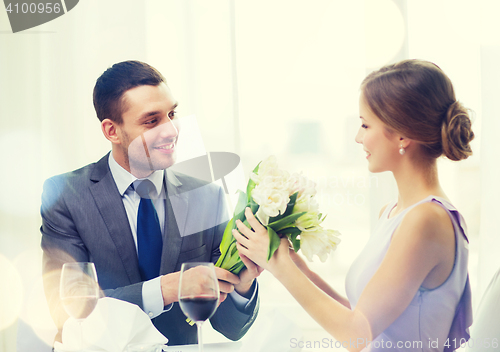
(318, 241)
(308, 204)
(262, 216)
(271, 163)
(311, 218)
(307, 221)
(269, 173)
(272, 201)
(300, 183)
(272, 190)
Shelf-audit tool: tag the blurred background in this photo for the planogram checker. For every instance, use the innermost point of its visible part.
(262, 77)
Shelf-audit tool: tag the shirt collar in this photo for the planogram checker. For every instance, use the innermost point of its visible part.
(123, 178)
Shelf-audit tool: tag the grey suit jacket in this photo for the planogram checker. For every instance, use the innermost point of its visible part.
(83, 219)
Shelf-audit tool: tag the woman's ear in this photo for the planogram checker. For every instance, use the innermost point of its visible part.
(404, 142)
(110, 129)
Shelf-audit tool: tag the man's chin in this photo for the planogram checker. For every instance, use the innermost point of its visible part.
(163, 163)
(146, 167)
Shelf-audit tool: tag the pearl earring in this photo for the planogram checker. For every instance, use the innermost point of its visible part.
(402, 150)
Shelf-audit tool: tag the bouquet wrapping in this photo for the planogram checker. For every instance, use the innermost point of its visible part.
(285, 204)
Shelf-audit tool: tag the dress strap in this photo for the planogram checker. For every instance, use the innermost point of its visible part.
(459, 330)
(459, 220)
(388, 209)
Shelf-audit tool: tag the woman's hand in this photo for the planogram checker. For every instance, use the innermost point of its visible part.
(298, 260)
(254, 243)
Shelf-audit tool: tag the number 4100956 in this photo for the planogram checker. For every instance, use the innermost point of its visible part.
(34, 8)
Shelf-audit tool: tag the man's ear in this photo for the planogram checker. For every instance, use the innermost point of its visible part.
(110, 130)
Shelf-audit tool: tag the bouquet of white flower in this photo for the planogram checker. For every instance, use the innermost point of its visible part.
(285, 204)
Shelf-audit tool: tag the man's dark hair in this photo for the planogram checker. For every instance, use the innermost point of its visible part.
(116, 80)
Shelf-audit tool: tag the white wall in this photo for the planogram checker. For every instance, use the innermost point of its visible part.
(262, 77)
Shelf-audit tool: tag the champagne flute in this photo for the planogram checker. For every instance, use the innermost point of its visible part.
(79, 291)
(198, 298)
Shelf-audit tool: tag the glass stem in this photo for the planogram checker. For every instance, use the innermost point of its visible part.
(80, 337)
(200, 337)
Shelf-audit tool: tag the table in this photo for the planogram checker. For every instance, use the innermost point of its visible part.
(208, 347)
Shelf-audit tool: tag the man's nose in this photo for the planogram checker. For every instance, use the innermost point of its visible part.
(169, 129)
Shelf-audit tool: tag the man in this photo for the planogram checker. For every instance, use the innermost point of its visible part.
(97, 214)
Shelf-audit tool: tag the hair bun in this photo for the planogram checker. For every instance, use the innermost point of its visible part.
(456, 132)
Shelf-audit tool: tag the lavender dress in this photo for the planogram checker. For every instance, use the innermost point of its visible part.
(436, 319)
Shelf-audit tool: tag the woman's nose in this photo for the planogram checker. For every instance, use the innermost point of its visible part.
(358, 138)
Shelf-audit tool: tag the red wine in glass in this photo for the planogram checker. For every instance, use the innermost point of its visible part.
(199, 308)
(198, 293)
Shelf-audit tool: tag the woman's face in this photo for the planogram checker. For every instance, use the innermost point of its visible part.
(379, 142)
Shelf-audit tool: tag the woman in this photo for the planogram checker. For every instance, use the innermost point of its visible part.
(408, 290)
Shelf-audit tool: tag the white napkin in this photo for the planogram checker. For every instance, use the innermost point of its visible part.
(272, 332)
(110, 327)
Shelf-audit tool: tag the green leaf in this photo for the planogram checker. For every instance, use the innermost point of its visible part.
(274, 242)
(286, 221)
(242, 203)
(253, 206)
(291, 203)
(237, 268)
(295, 242)
(234, 250)
(251, 184)
(240, 216)
(322, 219)
(276, 218)
(256, 168)
(227, 239)
(231, 258)
(247, 224)
(288, 210)
(289, 231)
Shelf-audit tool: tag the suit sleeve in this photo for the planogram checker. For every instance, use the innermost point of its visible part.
(62, 243)
(228, 319)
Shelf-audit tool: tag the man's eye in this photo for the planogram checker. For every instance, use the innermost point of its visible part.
(171, 114)
(364, 126)
(150, 122)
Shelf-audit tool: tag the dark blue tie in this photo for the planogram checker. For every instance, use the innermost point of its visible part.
(149, 239)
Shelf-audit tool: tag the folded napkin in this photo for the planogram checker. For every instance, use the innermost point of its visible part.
(112, 326)
(272, 332)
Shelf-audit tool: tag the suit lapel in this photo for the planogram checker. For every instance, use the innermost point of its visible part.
(110, 205)
(176, 207)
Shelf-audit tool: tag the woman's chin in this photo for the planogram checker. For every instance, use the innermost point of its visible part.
(374, 169)
(370, 166)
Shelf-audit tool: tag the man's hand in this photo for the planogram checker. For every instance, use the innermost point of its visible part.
(247, 276)
(227, 282)
(170, 287)
(170, 284)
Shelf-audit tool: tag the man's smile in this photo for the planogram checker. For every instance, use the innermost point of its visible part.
(165, 148)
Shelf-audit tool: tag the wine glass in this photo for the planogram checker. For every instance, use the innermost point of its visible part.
(79, 291)
(198, 301)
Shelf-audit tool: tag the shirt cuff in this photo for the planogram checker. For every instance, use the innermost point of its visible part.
(152, 298)
(241, 303)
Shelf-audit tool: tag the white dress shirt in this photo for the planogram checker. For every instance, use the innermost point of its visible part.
(151, 290)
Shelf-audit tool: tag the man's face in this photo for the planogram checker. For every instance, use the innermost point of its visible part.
(148, 133)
